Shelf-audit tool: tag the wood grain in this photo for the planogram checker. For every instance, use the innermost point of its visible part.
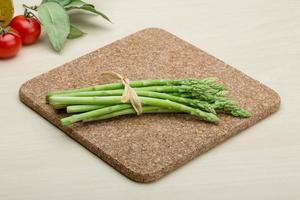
(260, 38)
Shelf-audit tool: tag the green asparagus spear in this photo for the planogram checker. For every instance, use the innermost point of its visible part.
(95, 113)
(146, 83)
(201, 98)
(202, 105)
(210, 117)
(146, 109)
(82, 108)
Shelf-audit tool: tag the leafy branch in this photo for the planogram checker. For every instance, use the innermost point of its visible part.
(54, 18)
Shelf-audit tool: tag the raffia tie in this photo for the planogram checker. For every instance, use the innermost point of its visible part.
(129, 94)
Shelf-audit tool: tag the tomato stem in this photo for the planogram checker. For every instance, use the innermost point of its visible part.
(30, 7)
(3, 30)
(28, 13)
(6, 30)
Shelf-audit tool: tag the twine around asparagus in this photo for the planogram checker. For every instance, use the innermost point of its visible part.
(129, 94)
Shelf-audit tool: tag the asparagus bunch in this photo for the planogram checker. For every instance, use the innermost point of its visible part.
(203, 98)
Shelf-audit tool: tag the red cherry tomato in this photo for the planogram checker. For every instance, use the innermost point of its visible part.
(29, 28)
(10, 43)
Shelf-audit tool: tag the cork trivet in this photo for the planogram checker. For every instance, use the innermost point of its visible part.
(147, 147)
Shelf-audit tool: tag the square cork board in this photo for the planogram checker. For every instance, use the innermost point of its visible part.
(147, 147)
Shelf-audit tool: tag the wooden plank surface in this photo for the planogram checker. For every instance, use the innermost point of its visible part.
(260, 38)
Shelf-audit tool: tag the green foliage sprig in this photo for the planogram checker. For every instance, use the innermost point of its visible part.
(55, 20)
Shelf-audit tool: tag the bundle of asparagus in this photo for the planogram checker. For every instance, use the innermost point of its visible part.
(203, 98)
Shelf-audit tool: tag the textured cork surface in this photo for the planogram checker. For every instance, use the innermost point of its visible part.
(147, 147)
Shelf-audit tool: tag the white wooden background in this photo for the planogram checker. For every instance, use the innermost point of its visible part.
(259, 37)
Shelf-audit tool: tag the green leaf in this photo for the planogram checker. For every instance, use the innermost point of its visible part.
(61, 2)
(91, 8)
(78, 4)
(75, 32)
(55, 21)
(74, 4)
